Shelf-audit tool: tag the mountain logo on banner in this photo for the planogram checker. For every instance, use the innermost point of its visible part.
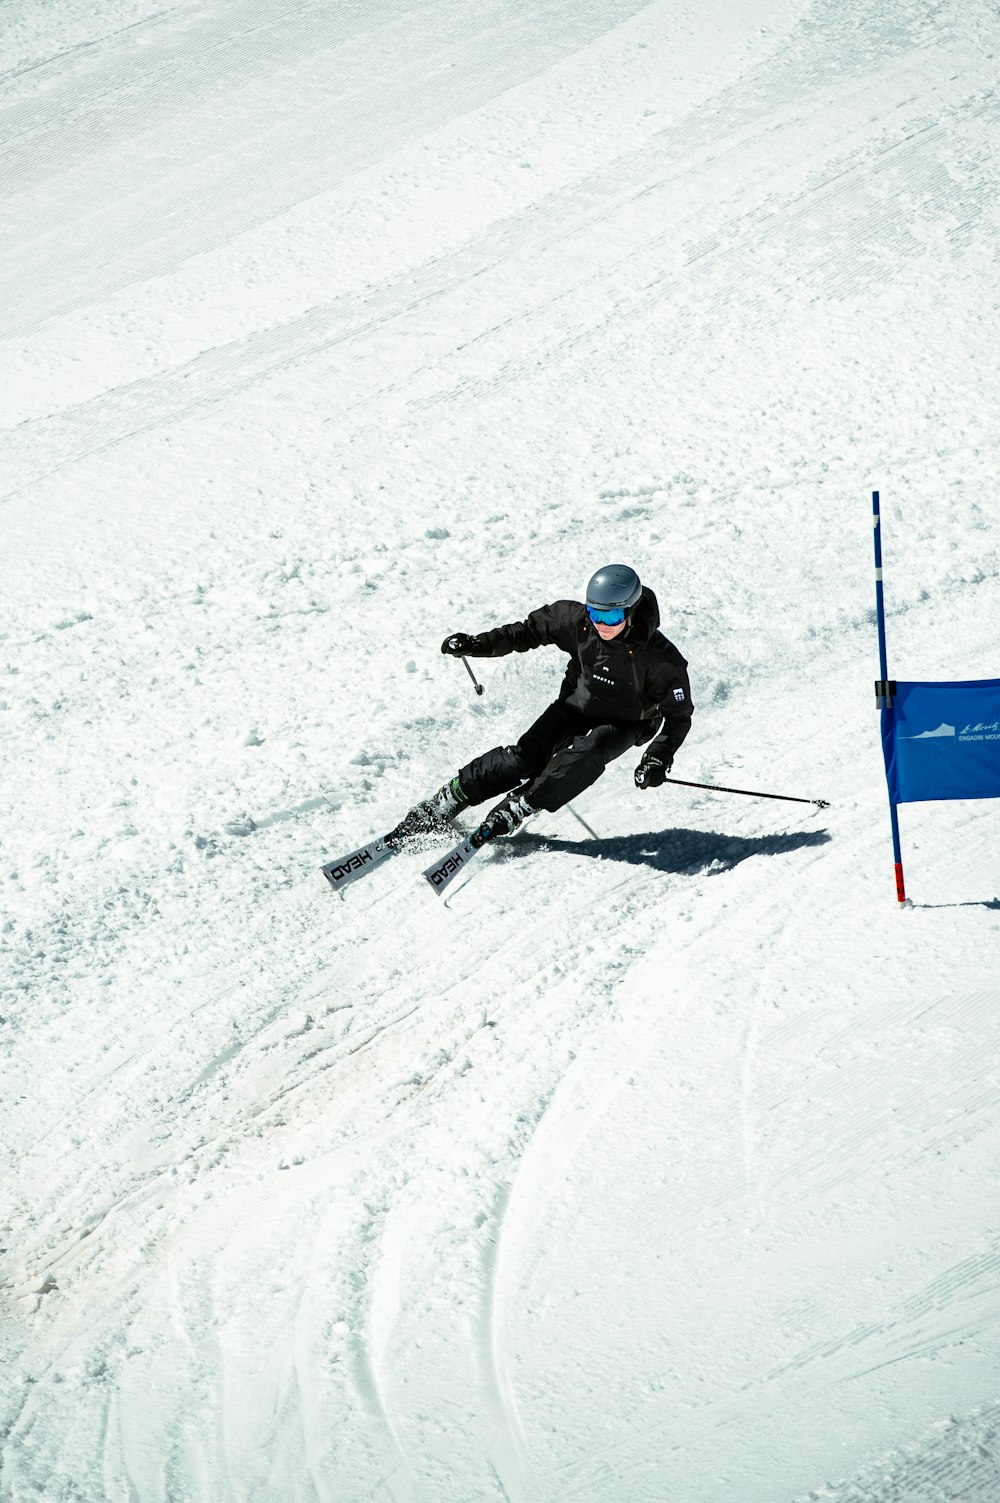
(942, 730)
(981, 731)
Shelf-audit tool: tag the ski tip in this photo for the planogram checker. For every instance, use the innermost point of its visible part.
(442, 873)
(341, 873)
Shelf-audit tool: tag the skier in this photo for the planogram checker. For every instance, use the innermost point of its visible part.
(625, 685)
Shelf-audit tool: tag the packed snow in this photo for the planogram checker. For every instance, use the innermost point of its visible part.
(659, 1162)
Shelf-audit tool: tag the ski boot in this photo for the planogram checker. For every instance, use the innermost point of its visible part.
(507, 817)
(435, 813)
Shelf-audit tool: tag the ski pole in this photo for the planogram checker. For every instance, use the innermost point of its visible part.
(821, 803)
(580, 820)
(479, 687)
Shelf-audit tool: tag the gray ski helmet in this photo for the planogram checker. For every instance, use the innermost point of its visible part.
(616, 587)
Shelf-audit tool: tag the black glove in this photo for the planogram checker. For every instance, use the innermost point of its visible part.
(653, 768)
(461, 645)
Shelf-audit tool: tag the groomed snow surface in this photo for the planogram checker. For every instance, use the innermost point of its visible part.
(659, 1165)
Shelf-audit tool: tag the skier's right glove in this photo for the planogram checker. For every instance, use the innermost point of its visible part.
(461, 645)
(652, 770)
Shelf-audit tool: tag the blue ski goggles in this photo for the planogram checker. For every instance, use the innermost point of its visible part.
(605, 618)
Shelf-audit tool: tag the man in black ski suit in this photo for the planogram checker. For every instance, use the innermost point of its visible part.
(625, 685)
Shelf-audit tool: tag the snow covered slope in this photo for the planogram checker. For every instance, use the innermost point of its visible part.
(661, 1162)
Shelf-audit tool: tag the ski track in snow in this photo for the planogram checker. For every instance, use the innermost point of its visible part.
(390, 91)
(510, 1450)
(717, 251)
(649, 1164)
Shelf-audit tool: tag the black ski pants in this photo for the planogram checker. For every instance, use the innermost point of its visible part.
(558, 757)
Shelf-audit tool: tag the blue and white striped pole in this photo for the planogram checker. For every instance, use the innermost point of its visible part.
(884, 692)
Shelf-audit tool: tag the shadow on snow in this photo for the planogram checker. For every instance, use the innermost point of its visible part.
(685, 851)
(993, 903)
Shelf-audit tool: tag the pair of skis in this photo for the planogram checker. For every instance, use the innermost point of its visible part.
(440, 874)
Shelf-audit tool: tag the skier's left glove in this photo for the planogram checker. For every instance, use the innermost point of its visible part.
(653, 769)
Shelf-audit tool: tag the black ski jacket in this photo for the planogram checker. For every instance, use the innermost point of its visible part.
(637, 676)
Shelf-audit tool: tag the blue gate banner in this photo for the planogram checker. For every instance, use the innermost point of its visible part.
(942, 740)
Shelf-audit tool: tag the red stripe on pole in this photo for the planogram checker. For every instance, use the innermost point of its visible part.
(900, 889)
